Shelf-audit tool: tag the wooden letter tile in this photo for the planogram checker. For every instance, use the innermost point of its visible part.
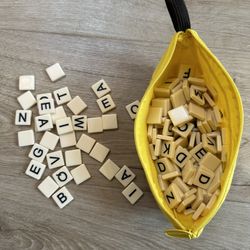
(77, 105)
(68, 140)
(62, 95)
(80, 174)
(79, 122)
(109, 169)
(55, 159)
(64, 126)
(73, 157)
(38, 152)
(179, 116)
(62, 197)
(62, 176)
(26, 138)
(27, 82)
(55, 72)
(95, 125)
(43, 123)
(48, 186)
(23, 117)
(49, 140)
(99, 152)
(35, 169)
(86, 143)
(125, 176)
(109, 122)
(132, 193)
(26, 100)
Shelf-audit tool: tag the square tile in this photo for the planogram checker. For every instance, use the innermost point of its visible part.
(38, 152)
(55, 72)
(26, 138)
(79, 122)
(48, 186)
(132, 109)
(35, 169)
(43, 123)
(68, 140)
(59, 114)
(27, 82)
(62, 95)
(23, 117)
(132, 193)
(99, 152)
(77, 105)
(62, 197)
(85, 143)
(109, 169)
(80, 174)
(125, 176)
(106, 103)
(26, 100)
(62, 176)
(100, 88)
(109, 122)
(46, 106)
(73, 157)
(55, 159)
(64, 126)
(49, 140)
(95, 125)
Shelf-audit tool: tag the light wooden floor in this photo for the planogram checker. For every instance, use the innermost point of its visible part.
(120, 41)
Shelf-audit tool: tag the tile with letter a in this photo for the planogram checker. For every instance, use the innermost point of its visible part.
(100, 88)
(62, 176)
(106, 103)
(62, 197)
(43, 123)
(48, 186)
(125, 176)
(55, 159)
(109, 121)
(132, 193)
(23, 117)
(35, 169)
(132, 109)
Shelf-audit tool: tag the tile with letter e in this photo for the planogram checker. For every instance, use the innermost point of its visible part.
(55, 72)
(125, 176)
(38, 152)
(85, 143)
(27, 82)
(62, 176)
(55, 159)
(35, 169)
(99, 152)
(100, 88)
(46, 106)
(48, 186)
(62, 95)
(49, 140)
(62, 197)
(132, 109)
(26, 138)
(106, 103)
(80, 174)
(132, 193)
(23, 117)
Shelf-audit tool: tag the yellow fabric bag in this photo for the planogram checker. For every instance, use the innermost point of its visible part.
(186, 47)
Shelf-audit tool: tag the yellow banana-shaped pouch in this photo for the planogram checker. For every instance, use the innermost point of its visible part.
(187, 48)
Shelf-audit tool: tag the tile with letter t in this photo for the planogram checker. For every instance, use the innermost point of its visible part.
(48, 186)
(43, 123)
(35, 169)
(132, 109)
(55, 159)
(62, 176)
(62, 95)
(125, 176)
(23, 117)
(26, 138)
(106, 103)
(100, 88)
(62, 197)
(68, 140)
(38, 152)
(99, 152)
(132, 193)
(55, 72)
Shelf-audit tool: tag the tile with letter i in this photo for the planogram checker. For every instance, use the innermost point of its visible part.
(48, 186)
(95, 125)
(35, 169)
(64, 126)
(132, 193)
(106, 103)
(132, 109)
(62, 176)
(23, 117)
(100, 88)
(125, 176)
(62, 197)
(43, 123)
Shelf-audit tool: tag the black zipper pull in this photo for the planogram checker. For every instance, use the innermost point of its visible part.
(179, 14)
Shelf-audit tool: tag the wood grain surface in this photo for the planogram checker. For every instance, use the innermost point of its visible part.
(120, 41)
